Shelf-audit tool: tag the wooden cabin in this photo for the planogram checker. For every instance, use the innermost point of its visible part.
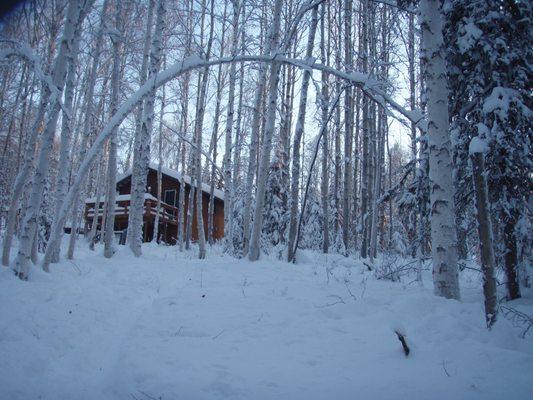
(168, 213)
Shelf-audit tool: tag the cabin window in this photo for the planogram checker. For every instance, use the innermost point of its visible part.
(170, 197)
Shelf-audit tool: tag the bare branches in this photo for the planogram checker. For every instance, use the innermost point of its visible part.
(518, 319)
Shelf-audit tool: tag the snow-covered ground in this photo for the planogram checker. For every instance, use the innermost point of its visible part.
(168, 326)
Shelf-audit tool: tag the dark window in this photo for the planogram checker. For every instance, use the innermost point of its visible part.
(170, 197)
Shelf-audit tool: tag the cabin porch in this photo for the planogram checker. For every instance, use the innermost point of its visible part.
(168, 218)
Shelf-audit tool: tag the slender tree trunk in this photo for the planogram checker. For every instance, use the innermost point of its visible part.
(87, 129)
(510, 220)
(325, 145)
(22, 176)
(348, 127)
(155, 236)
(412, 104)
(100, 173)
(377, 186)
(109, 249)
(79, 200)
(214, 141)
(228, 183)
(484, 227)
(366, 136)
(64, 56)
(254, 145)
(298, 132)
(140, 163)
(198, 135)
(267, 139)
(143, 74)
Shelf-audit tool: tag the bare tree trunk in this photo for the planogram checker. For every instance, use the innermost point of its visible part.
(185, 125)
(100, 173)
(484, 227)
(228, 183)
(298, 132)
(155, 236)
(325, 145)
(377, 186)
(366, 139)
(198, 135)
(64, 56)
(254, 145)
(143, 74)
(140, 163)
(348, 126)
(30, 141)
(510, 221)
(443, 238)
(88, 126)
(267, 139)
(214, 141)
(181, 210)
(109, 249)
(412, 104)
(22, 175)
(79, 200)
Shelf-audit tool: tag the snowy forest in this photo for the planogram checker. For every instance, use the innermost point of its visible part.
(373, 161)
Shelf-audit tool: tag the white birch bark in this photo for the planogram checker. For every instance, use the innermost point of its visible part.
(348, 127)
(111, 183)
(228, 183)
(365, 131)
(185, 127)
(267, 137)
(79, 201)
(155, 236)
(214, 140)
(377, 185)
(22, 176)
(142, 76)
(198, 135)
(252, 162)
(298, 132)
(87, 128)
(140, 163)
(25, 171)
(443, 236)
(100, 173)
(325, 143)
(29, 225)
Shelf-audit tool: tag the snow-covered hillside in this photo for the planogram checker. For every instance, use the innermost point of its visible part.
(168, 326)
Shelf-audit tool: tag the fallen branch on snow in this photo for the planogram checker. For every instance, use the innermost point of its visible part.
(401, 338)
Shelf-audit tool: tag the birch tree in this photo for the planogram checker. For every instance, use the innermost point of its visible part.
(111, 181)
(64, 56)
(227, 167)
(142, 152)
(443, 238)
(267, 137)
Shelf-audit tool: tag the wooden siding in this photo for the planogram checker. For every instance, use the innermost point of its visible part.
(168, 228)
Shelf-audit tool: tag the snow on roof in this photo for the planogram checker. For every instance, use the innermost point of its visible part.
(206, 188)
(120, 197)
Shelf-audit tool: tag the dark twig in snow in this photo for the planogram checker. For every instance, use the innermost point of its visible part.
(445, 370)
(148, 396)
(401, 338)
(349, 291)
(220, 333)
(339, 301)
(518, 319)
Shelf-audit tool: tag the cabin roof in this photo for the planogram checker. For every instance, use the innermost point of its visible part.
(206, 188)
